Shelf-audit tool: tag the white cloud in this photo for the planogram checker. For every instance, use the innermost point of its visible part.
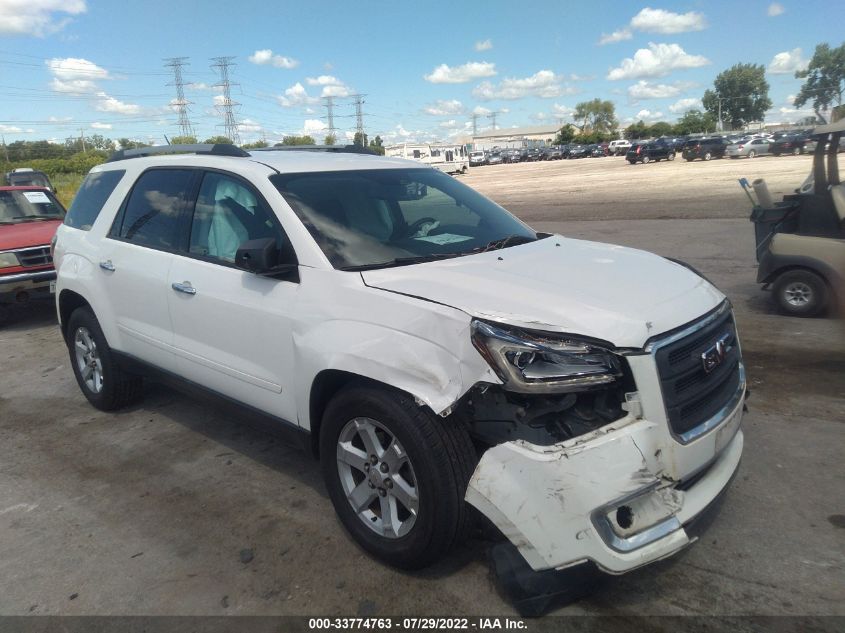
(295, 96)
(444, 74)
(685, 105)
(58, 119)
(562, 111)
(790, 99)
(787, 62)
(75, 75)
(484, 45)
(775, 9)
(323, 80)
(790, 115)
(449, 125)
(10, 129)
(36, 17)
(332, 86)
(105, 103)
(313, 126)
(444, 108)
(101, 126)
(336, 91)
(248, 126)
(661, 21)
(646, 90)
(648, 115)
(656, 61)
(544, 84)
(199, 85)
(265, 57)
(617, 36)
(539, 116)
(481, 111)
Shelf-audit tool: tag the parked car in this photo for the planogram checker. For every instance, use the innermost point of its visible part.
(619, 147)
(748, 147)
(647, 152)
(597, 151)
(495, 158)
(367, 305)
(28, 177)
(704, 148)
(790, 144)
(29, 217)
(554, 153)
(477, 158)
(578, 151)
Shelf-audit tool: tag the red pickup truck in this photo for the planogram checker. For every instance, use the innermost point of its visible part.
(29, 217)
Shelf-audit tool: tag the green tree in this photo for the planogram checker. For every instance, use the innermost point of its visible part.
(825, 79)
(377, 145)
(296, 140)
(255, 145)
(126, 143)
(565, 134)
(661, 128)
(695, 122)
(740, 93)
(359, 140)
(330, 139)
(189, 140)
(596, 116)
(637, 130)
(217, 140)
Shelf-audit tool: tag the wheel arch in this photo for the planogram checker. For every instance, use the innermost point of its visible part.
(68, 302)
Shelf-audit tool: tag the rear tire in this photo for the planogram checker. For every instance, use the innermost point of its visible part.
(671, 156)
(796, 151)
(708, 156)
(436, 460)
(646, 160)
(102, 381)
(752, 154)
(800, 293)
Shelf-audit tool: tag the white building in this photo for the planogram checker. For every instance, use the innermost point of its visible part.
(516, 137)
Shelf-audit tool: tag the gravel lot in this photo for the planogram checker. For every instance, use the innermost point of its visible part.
(178, 507)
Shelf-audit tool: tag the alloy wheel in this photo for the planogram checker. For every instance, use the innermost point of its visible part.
(88, 360)
(798, 294)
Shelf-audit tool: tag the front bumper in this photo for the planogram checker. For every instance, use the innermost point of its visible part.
(29, 282)
(560, 505)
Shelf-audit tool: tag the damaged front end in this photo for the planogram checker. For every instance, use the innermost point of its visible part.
(580, 461)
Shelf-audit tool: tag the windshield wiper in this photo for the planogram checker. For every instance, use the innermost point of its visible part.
(402, 261)
(510, 240)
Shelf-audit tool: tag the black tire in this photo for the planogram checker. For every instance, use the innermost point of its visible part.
(689, 160)
(443, 460)
(671, 156)
(646, 159)
(708, 156)
(752, 154)
(633, 162)
(119, 388)
(800, 293)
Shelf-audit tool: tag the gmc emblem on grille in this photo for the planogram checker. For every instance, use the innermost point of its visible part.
(711, 358)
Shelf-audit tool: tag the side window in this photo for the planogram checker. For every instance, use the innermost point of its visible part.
(92, 195)
(228, 214)
(151, 215)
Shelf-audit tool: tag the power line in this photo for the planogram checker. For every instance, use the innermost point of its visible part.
(226, 109)
(181, 103)
(330, 114)
(475, 123)
(492, 117)
(359, 117)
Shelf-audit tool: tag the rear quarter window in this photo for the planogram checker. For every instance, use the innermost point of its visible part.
(92, 195)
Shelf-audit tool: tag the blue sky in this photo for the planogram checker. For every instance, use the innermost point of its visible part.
(424, 67)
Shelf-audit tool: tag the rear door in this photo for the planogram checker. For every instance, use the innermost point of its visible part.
(232, 328)
(135, 260)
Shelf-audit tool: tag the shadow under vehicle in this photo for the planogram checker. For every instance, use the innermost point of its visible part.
(801, 240)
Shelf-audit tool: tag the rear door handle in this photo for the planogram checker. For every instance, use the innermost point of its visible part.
(107, 265)
(184, 286)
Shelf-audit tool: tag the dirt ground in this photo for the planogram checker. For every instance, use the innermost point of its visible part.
(179, 506)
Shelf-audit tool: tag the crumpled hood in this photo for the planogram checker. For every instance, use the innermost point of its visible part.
(613, 293)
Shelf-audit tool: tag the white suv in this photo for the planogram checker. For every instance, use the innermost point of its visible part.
(433, 350)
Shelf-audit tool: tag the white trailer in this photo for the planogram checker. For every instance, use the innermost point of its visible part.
(447, 157)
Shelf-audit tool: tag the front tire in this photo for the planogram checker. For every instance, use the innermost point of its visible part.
(646, 160)
(708, 156)
(800, 293)
(671, 156)
(102, 381)
(384, 455)
(752, 154)
(796, 151)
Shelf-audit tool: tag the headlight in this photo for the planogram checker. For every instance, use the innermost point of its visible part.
(539, 363)
(8, 259)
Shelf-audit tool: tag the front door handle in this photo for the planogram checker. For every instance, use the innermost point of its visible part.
(184, 286)
(107, 265)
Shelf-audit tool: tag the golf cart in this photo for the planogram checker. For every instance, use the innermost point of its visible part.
(801, 241)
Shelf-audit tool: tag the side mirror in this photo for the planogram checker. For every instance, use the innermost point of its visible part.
(257, 256)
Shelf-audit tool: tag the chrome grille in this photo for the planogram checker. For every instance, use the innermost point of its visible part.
(38, 256)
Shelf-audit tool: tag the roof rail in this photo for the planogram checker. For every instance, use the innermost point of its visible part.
(219, 149)
(339, 149)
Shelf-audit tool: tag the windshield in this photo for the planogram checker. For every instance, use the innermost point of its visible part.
(388, 217)
(29, 206)
(28, 179)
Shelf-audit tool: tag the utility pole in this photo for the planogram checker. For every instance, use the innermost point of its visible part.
(492, 116)
(226, 109)
(475, 124)
(359, 118)
(5, 148)
(181, 103)
(330, 114)
(82, 138)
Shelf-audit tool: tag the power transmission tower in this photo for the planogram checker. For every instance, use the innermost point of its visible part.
(227, 108)
(330, 114)
(359, 118)
(475, 124)
(492, 116)
(176, 63)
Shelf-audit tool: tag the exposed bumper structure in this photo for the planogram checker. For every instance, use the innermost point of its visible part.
(11, 285)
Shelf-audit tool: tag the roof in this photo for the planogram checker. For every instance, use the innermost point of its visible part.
(519, 131)
(836, 126)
